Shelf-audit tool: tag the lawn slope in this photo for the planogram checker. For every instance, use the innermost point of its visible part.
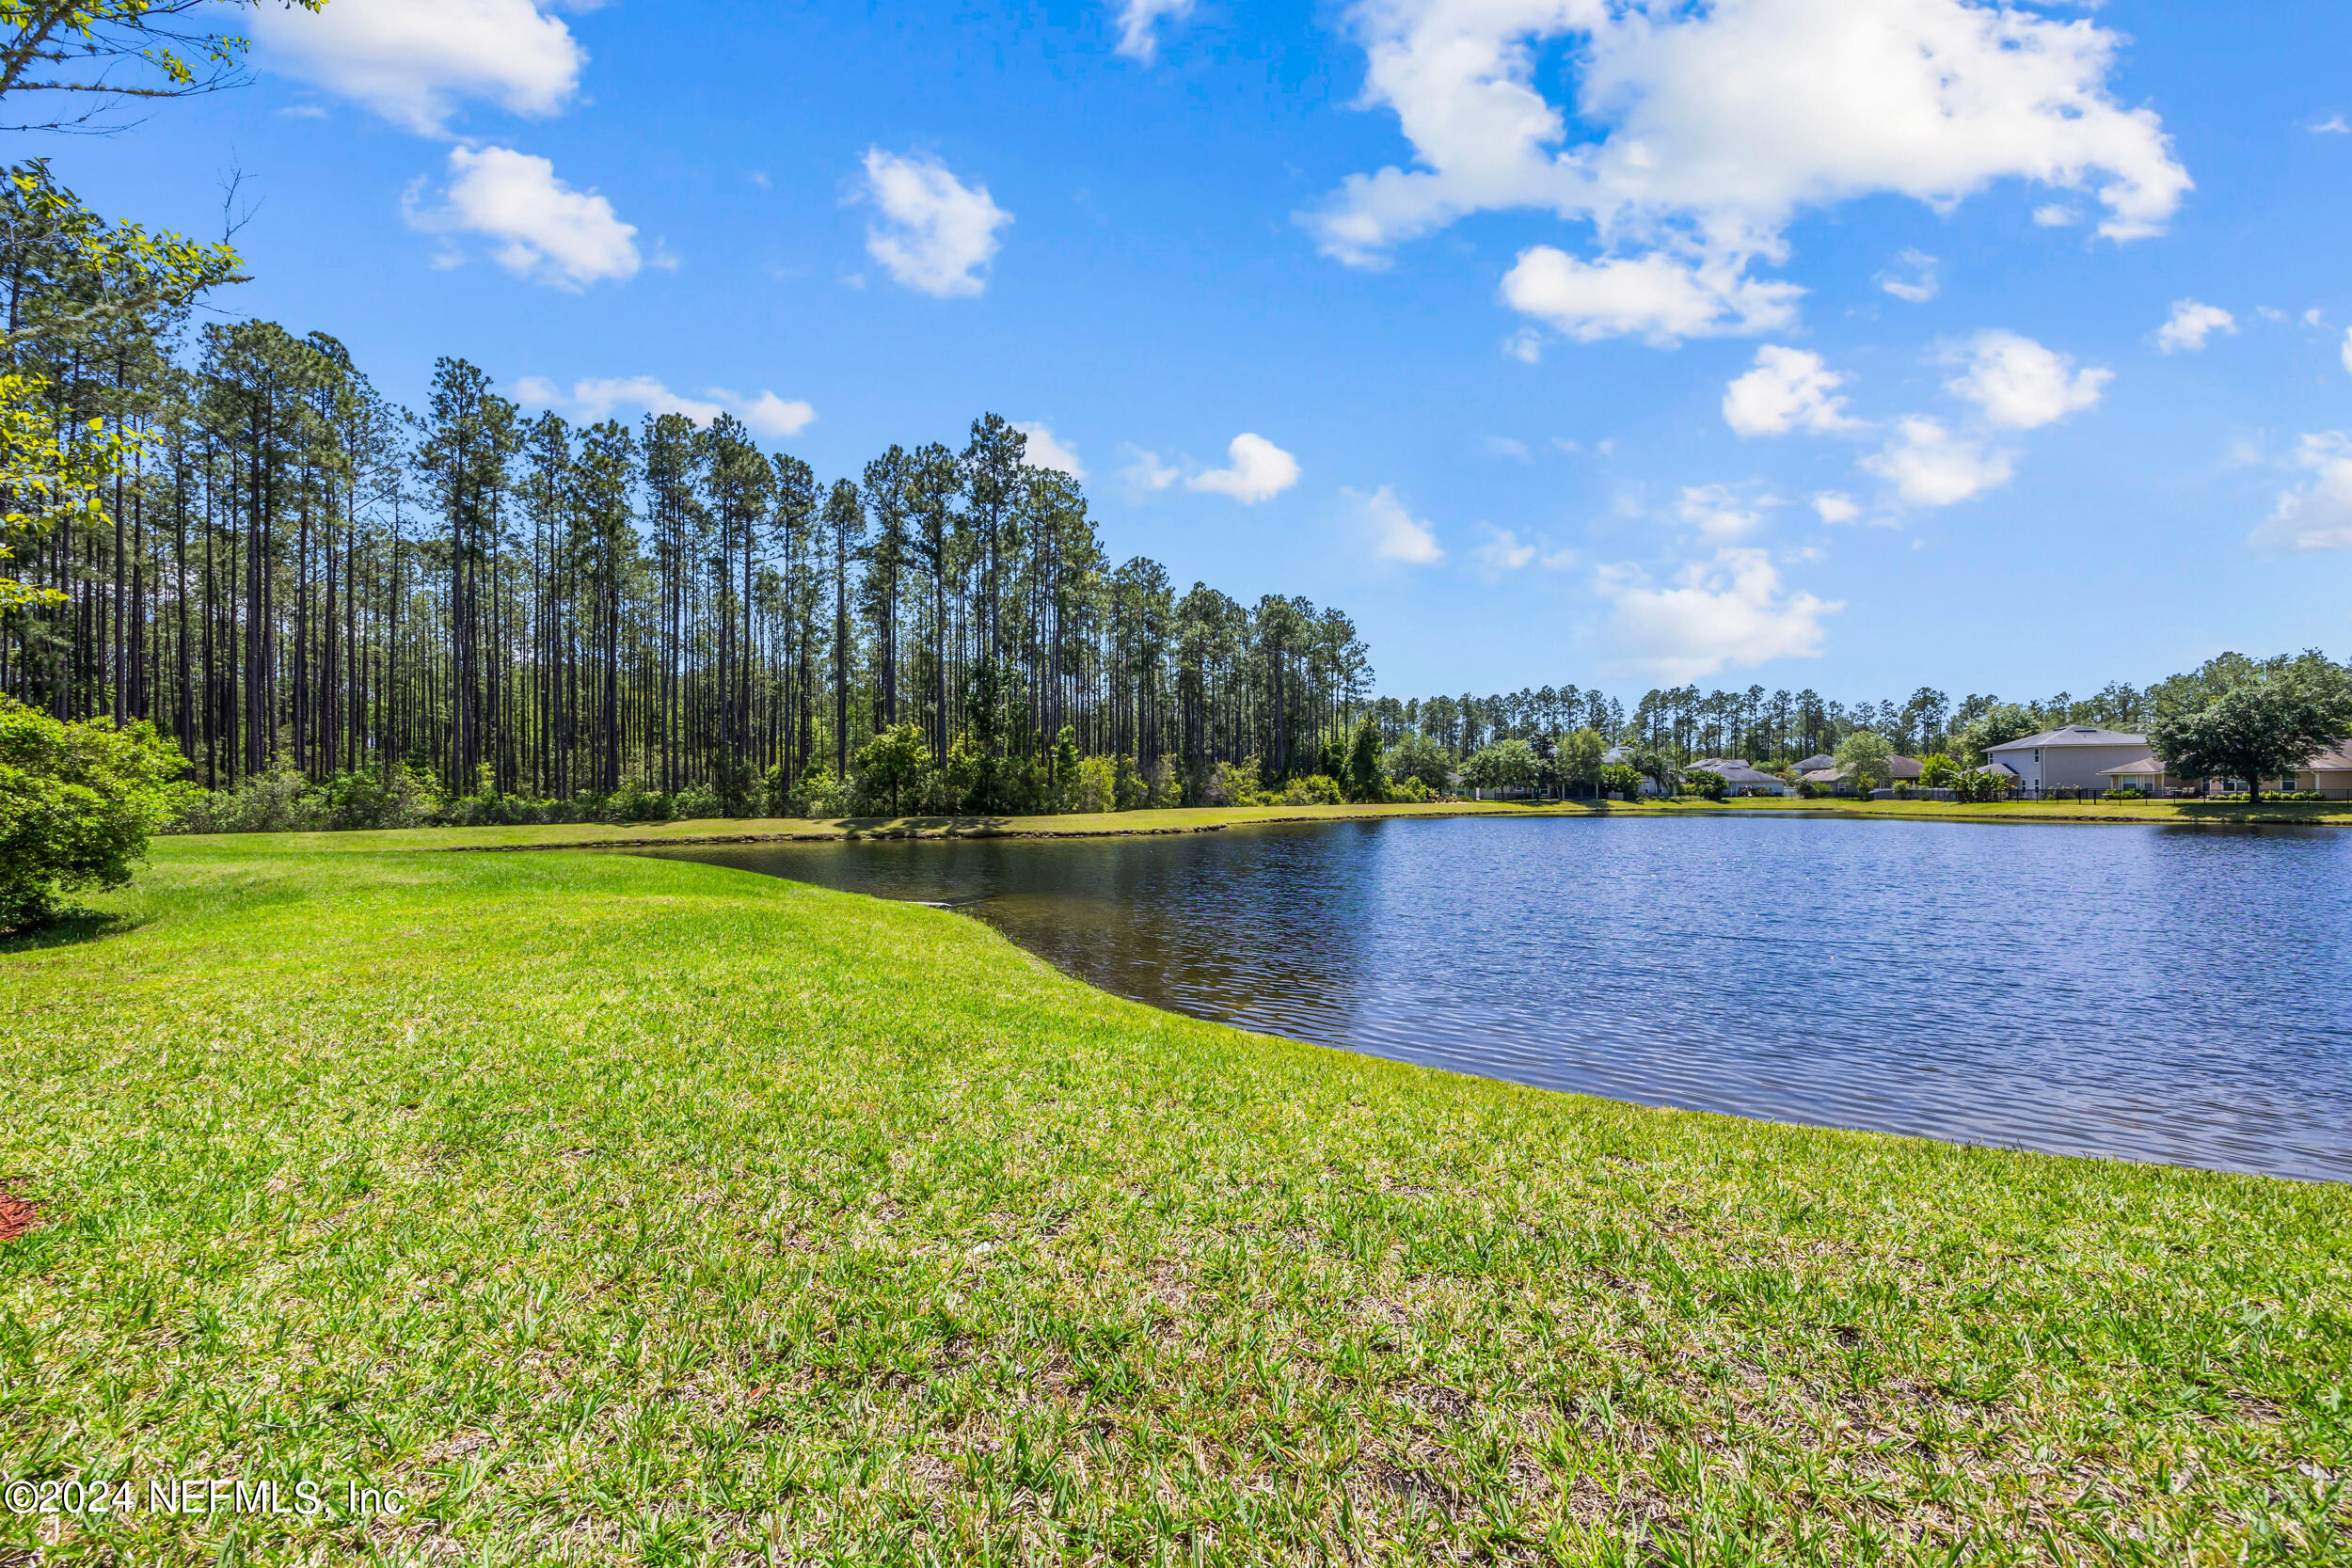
(617, 1210)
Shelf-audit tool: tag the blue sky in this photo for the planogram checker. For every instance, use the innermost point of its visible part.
(1792, 342)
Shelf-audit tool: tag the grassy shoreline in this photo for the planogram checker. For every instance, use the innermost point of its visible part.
(1212, 818)
(621, 1210)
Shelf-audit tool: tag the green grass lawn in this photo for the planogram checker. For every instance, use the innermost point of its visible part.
(1210, 819)
(621, 1210)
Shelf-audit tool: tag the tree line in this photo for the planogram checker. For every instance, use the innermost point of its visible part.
(292, 574)
(1768, 729)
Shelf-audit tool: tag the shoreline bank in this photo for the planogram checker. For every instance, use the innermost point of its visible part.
(1185, 819)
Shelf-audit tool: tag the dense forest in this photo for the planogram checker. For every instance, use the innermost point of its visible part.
(293, 574)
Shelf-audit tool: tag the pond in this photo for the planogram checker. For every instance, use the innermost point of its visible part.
(2150, 992)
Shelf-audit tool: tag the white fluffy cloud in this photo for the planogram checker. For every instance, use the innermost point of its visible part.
(1716, 125)
(1046, 451)
(1396, 534)
(2023, 385)
(1788, 389)
(414, 61)
(1655, 296)
(1928, 465)
(2316, 515)
(601, 397)
(539, 227)
(1255, 470)
(1835, 506)
(1729, 609)
(1139, 25)
(2186, 330)
(937, 233)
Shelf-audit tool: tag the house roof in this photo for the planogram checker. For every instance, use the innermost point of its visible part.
(2073, 735)
(1739, 773)
(1897, 767)
(2335, 759)
(1816, 760)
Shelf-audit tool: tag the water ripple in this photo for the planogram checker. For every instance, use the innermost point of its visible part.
(2147, 992)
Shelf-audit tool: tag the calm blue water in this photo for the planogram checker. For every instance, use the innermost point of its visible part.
(2149, 992)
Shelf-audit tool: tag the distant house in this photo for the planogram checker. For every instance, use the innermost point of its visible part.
(1742, 780)
(2328, 773)
(1817, 763)
(1900, 770)
(2078, 756)
(2145, 774)
(1617, 754)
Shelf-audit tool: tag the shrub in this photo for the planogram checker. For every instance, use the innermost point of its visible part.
(77, 802)
(1366, 780)
(1706, 784)
(1096, 789)
(402, 797)
(1317, 789)
(280, 802)
(1410, 789)
(1231, 783)
(1162, 788)
(634, 802)
(735, 786)
(1620, 778)
(1807, 790)
(696, 802)
(1417, 756)
(817, 793)
(893, 766)
(1127, 786)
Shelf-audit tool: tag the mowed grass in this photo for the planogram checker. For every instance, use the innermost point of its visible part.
(623, 1211)
(1212, 818)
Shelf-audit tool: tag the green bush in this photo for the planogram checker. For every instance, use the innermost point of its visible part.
(1706, 784)
(1097, 787)
(1317, 789)
(1417, 756)
(280, 802)
(1231, 783)
(402, 797)
(1410, 789)
(77, 802)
